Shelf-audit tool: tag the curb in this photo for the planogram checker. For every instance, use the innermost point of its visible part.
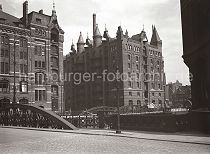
(104, 134)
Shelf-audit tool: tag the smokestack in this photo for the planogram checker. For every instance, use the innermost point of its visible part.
(25, 13)
(94, 24)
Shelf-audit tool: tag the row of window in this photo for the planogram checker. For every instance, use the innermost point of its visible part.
(155, 53)
(130, 47)
(4, 69)
(130, 85)
(23, 43)
(153, 86)
(159, 94)
(4, 40)
(131, 102)
(40, 64)
(113, 48)
(23, 68)
(129, 58)
(39, 50)
(131, 94)
(40, 95)
(133, 75)
(4, 86)
(39, 78)
(137, 66)
(152, 62)
(24, 55)
(152, 77)
(4, 52)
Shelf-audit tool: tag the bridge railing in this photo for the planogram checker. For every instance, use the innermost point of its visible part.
(81, 121)
(31, 116)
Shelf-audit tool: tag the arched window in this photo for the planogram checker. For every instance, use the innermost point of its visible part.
(54, 35)
(23, 86)
(4, 86)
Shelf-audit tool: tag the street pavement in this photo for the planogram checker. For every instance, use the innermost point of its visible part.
(27, 140)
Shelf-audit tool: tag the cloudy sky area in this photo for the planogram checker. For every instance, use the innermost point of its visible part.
(76, 15)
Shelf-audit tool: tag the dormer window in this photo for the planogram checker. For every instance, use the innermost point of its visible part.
(38, 21)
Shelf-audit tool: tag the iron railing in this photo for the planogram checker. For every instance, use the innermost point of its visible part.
(23, 115)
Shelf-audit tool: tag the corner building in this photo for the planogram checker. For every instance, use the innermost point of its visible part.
(139, 63)
(35, 43)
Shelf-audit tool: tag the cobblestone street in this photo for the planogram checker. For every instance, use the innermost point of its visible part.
(30, 141)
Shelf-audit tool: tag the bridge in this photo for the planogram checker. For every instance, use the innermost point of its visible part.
(24, 115)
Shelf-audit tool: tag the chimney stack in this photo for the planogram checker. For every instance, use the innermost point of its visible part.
(25, 13)
(94, 24)
(41, 11)
(0, 7)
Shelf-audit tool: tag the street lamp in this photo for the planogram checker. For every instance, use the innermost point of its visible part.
(14, 86)
(118, 131)
(164, 103)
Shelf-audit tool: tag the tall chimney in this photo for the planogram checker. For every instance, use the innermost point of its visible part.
(25, 13)
(94, 24)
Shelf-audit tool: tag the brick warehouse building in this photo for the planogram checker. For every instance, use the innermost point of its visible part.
(36, 42)
(132, 56)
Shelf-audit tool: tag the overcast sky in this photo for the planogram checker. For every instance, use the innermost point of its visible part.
(76, 15)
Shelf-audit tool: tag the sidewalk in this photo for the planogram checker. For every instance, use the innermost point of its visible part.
(158, 136)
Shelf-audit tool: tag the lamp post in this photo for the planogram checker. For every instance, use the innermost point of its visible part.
(14, 86)
(62, 102)
(164, 99)
(118, 131)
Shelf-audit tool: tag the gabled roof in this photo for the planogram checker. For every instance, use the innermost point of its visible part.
(81, 40)
(140, 37)
(155, 37)
(9, 19)
(97, 32)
